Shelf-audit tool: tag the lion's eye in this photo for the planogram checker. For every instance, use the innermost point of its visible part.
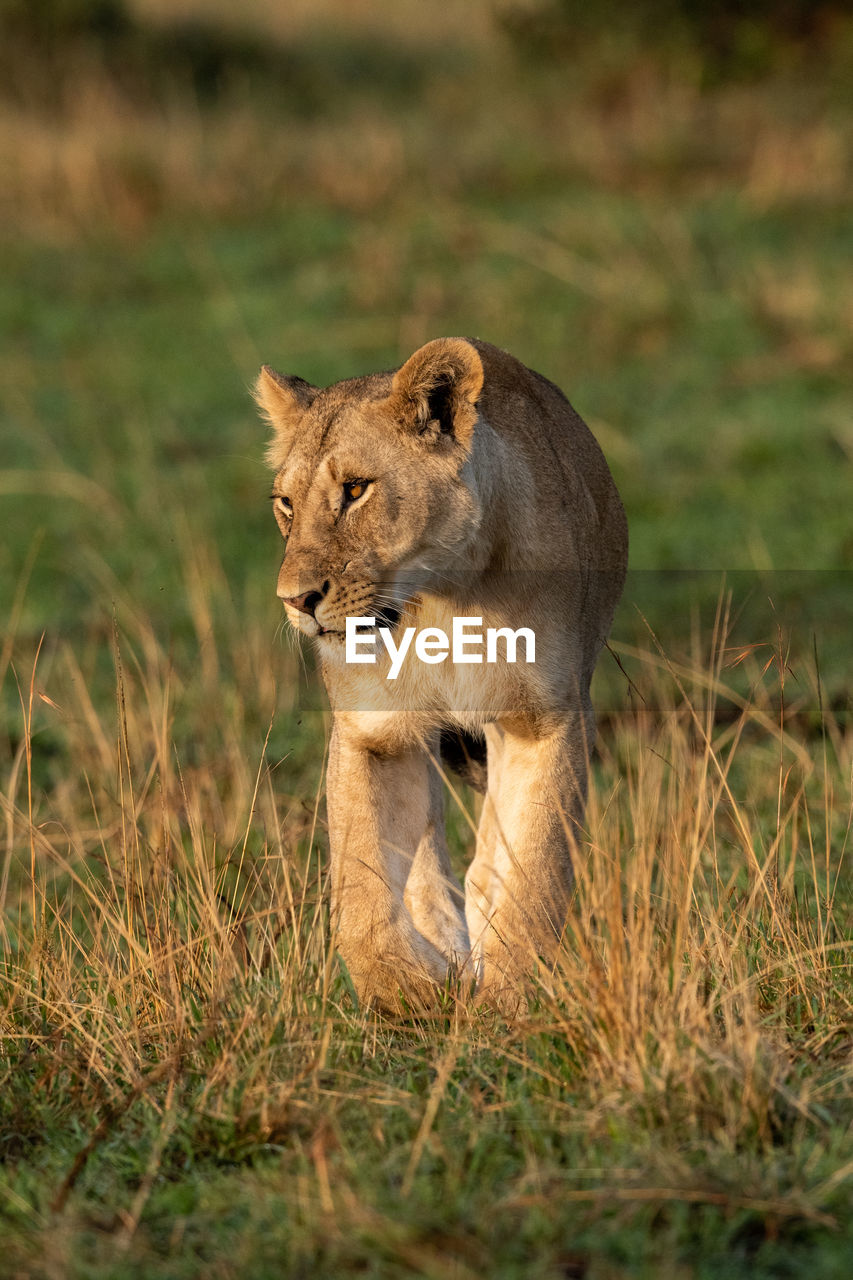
(282, 505)
(354, 489)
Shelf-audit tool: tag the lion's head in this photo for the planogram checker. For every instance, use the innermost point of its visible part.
(374, 491)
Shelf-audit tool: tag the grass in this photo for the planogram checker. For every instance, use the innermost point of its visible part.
(186, 1085)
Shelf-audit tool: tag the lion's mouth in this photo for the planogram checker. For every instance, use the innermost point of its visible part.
(386, 616)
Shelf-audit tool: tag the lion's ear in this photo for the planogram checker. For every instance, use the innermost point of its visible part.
(282, 401)
(435, 392)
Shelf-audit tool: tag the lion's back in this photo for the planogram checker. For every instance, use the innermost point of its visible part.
(561, 454)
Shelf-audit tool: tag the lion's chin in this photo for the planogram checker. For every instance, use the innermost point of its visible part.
(303, 623)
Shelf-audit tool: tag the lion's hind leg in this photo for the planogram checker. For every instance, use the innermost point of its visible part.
(433, 895)
(481, 879)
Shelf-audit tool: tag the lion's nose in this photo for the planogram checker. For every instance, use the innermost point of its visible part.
(308, 601)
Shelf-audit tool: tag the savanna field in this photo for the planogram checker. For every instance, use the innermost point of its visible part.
(654, 211)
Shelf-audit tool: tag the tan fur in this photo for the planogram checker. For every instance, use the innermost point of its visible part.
(489, 498)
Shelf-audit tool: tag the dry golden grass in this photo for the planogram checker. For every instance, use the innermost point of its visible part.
(165, 944)
(113, 151)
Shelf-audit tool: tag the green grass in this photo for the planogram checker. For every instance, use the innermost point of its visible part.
(186, 1086)
(131, 430)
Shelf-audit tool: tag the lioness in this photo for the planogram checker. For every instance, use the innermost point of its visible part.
(461, 484)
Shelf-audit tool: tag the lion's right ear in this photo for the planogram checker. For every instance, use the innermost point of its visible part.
(282, 401)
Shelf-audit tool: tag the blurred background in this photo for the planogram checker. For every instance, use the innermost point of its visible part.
(649, 203)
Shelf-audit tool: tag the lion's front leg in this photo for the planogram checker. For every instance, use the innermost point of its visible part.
(519, 884)
(396, 922)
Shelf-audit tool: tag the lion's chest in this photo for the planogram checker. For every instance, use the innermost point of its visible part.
(437, 667)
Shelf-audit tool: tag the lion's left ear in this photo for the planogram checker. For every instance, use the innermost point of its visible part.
(435, 392)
